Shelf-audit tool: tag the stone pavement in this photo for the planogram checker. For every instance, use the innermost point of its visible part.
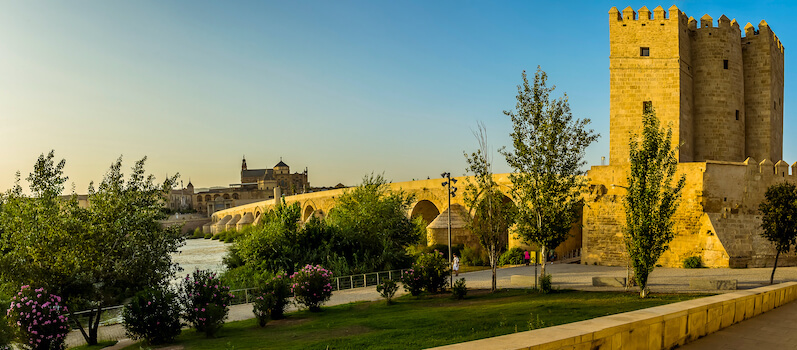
(774, 329)
(565, 276)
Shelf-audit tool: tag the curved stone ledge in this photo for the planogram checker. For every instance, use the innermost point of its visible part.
(660, 327)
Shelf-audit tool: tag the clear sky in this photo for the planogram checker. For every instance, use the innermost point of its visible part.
(344, 88)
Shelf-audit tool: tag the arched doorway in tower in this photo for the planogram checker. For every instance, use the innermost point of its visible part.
(426, 210)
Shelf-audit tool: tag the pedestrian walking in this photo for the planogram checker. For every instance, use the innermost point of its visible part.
(526, 257)
(455, 265)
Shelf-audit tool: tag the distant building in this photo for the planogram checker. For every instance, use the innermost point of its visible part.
(182, 200)
(256, 185)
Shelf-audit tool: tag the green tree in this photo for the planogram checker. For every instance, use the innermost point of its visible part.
(93, 257)
(651, 200)
(492, 214)
(279, 242)
(547, 160)
(372, 227)
(779, 221)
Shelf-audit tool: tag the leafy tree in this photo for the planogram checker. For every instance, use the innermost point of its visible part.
(651, 199)
(372, 227)
(275, 244)
(492, 215)
(366, 231)
(779, 221)
(547, 162)
(92, 257)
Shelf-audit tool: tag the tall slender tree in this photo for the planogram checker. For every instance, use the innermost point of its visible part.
(779, 221)
(492, 215)
(547, 159)
(651, 199)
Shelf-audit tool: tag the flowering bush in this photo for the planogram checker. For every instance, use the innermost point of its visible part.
(387, 289)
(413, 282)
(434, 270)
(273, 299)
(41, 318)
(5, 329)
(206, 301)
(312, 286)
(153, 315)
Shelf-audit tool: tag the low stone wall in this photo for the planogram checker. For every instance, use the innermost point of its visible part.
(660, 327)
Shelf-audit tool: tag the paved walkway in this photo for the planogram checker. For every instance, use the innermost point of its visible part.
(574, 276)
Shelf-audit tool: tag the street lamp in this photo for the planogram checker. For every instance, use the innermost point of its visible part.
(452, 192)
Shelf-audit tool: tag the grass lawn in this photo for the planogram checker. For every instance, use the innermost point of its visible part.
(414, 323)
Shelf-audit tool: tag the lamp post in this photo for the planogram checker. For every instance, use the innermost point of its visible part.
(452, 192)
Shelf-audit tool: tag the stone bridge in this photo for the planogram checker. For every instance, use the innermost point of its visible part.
(430, 204)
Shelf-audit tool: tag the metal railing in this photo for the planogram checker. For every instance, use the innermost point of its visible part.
(247, 295)
(113, 314)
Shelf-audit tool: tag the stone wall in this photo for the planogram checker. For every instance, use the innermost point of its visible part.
(717, 218)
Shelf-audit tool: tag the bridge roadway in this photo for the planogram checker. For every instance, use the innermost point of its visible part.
(776, 329)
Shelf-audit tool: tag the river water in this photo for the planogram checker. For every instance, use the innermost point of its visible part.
(200, 254)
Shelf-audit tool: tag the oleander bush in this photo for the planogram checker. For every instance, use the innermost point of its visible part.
(6, 332)
(273, 298)
(40, 318)
(312, 286)
(413, 282)
(434, 269)
(153, 315)
(206, 301)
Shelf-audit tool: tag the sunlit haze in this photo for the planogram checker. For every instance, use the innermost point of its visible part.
(343, 88)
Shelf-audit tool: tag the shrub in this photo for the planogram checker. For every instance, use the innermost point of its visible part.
(312, 286)
(545, 283)
(387, 289)
(153, 315)
(41, 318)
(459, 289)
(434, 270)
(475, 256)
(6, 333)
(413, 282)
(456, 249)
(514, 256)
(216, 236)
(208, 235)
(279, 287)
(198, 233)
(693, 262)
(206, 301)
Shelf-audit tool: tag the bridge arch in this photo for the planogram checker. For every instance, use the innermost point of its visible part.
(307, 212)
(426, 210)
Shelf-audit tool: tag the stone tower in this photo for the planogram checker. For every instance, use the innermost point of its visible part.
(721, 93)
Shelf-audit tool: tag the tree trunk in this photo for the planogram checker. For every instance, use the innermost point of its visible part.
(94, 327)
(544, 258)
(643, 292)
(772, 278)
(79, 326)
(493, 266)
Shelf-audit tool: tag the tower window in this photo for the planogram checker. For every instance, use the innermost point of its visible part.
(647, 107)
(644, 51)
(737, 114)
(725, 64)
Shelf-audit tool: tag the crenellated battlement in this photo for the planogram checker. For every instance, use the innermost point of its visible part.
(644, 14)
(767, 169)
